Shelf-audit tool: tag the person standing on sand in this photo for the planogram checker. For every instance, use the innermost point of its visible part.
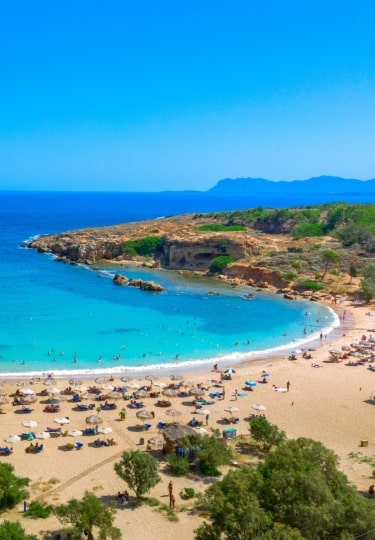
(235, 394)
(288, 386)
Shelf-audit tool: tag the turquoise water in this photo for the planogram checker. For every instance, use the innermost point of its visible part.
(63, 318)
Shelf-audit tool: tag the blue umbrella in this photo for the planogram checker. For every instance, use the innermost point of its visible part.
(265, 375)
(250, 383)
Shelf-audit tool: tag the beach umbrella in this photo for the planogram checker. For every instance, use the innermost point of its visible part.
(173, 412)
(144, 415)
(258, 407)
(334, 351)
(265, 375)
(108, 387)
(75, 382)
(250, 383)
(30, 399)
(54, 390)
(30, 423)
(230, 371)
(231, 409)
(134, 386)
(187, 382)
(75, 433)
(43, 435)
(4, 399)
(101, 380)
(2, 391)
(158, 440)
(202, 411)
(142, 393)
(93, 419)
(12, 438)
(200, 430)
(49, 381)
(105, 430)
(169, 392)
(126, 379)
(116, 395)
(27, 392)
(345, 348)
(175, 377)
(81, 388)
(62, 420)
(196, 391)
(160, 384)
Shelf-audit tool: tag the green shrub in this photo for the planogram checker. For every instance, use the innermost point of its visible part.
(219, 263)
(188, 493)
(38, 510)
(179, 466)
(309, 284)
(149, 245)
(290, 276)
(216, 227)
(208, 470)
(309, 229)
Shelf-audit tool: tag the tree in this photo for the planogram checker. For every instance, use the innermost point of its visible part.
(12, 487)
(329, 258)
(219, 263)
(367, 288)
(12, 530)
(263, 431)
(353, 271)
(83, 516)
(139, 471)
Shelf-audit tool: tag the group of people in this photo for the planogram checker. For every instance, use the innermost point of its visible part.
(123, 497)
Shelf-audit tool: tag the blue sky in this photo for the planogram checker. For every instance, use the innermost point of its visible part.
(147, 95)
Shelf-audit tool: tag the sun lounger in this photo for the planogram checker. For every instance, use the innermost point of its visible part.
(5, 451)
(69, 446)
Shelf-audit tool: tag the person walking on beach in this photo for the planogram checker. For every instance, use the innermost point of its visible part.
(172, 502)
(288, 386)
(170, 489)
(235, 394)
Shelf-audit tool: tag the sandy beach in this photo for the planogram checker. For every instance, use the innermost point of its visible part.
(327, 400)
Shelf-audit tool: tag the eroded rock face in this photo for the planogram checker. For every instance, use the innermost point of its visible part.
(146, 285)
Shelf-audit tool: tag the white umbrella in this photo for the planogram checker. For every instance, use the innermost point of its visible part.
(104, 430)
(49, 381)
(258, 407)
(196, 391)
(160, 384)
(125, 379)
(75, 433)
(201, 430)
(62, 420)
(30, 423)
(12, 438)
(134, 386)
(81, 388)
(169, 392)
(107, 387)
(173, 412)
(75, 382)
(202, 411)
(101, 380)
(27, 392)
(43, 435)
(231, 409)
(116, 395)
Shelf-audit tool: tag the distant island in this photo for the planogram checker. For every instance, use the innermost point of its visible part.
(311, 186)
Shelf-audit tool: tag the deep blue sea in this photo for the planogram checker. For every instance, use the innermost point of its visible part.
(63, 318)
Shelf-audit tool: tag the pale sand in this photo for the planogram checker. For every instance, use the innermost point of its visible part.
(330, 404)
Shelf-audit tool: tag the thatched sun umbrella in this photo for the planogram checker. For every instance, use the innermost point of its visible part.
(93, 419)
(144, 415)
(174, 434)
(169, 392)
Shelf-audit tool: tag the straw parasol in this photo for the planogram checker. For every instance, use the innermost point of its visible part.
(75, 382)
(30, 423)
(158, 440)
(169, 392)
(173, 412)
(93, 419)
(43, 435)
(202, 411)
(231, 409)
(75, 433)
(258, 407)
(62, 420)
(4, 399)
(116, 395)
(144, 415)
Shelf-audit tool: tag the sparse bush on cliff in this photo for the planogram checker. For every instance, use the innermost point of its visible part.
(219, 263)
(309, 229)
(149, 245)
(217, 227)
(309, 284)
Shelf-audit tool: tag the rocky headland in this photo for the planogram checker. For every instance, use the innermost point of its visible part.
(262, 257)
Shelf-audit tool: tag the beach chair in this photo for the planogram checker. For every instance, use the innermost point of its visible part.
(78, 445)
(69, 446)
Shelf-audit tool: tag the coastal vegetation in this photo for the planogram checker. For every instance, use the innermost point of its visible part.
(296, 492)
(324, 248)
(12, 487)
(12, 530)
(139, 471)
(81, 517)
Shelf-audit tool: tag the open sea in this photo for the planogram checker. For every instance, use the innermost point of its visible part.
(63, 318)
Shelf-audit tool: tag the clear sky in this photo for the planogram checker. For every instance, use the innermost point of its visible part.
(147, 95)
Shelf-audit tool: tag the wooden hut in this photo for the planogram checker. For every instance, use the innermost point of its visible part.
(173, 435)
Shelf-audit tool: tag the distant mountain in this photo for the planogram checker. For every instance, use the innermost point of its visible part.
(311, 186)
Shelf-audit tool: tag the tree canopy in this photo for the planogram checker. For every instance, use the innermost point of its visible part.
(139, 471)
(86, 515)
(12, 530)
(12, 487)
(297, 492)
